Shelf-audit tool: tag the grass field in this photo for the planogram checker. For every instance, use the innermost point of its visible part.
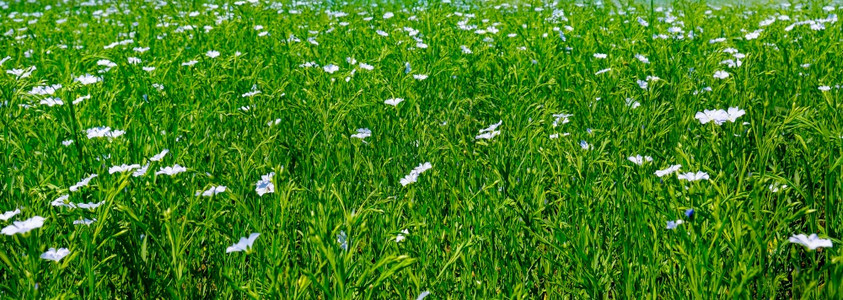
(465, 150)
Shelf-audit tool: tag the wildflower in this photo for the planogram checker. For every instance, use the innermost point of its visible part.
(67, 143)
(584, 145)
(407, 68)
(89, 205)
(600, 55)
(673, 224)
(362, 133)
(420, 77)
(189, 63)
(62, 201)
(393, 101)
(367, 67)
(691, 176)
(80, 99)
(689, 213)
(824, 88)
(86, 222)
(669, 170)
(51, 101)
(175, 169)
(423, 295)
(382, 33)
(142, 171)
(643, 22)
(265, 186)
(122, 168)
(414, 174)
(24, 226)
(133, 60)
(88, 79)
(342, 239)
(84, 182)
(489, 132)
(160, 156)
(331, 68)
(602, 71)
(244, 243)
(721, 75)
(642, 58)
(753, 35)
(401, 236)
(55, 255)
(104, 132)
(212, 54)
(812, 242)
(9, 214)
(639, 160)
(214, 190)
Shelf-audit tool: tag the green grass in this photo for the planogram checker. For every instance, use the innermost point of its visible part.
(518, 216)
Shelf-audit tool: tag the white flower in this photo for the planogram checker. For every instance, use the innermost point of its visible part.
(175, 169)
(414, 174)
(388, 15)
(420, 76)
(691, 176)
(719, 116)
(104, 132)
(600, 55)
(82, 183)
(212, 191)
(673, 224)
(89, 205)
(243, 244)
(265, 186)
(422, 295)
(80, 99)
(401, 236)
(212, 54)
(642, 58)
(122, 168)
(489, 132)
(67, 143)
(24, 226)
(84, 222)
(88, 79)
(52, 101)
(643, 22)
(133, 60)
(367, 67)
(639, 160)
(55, 255)
(142, 171)
(189, 63)
(382, 33)
(602, 71)
(812, 242)
(753, 35)
(734, 113)
(393, 101)
(824, 88)
(331, 68)
(721, 75)
(362, 133)
(160, 156)
(62, 201)
(669, 170)
(9, 214)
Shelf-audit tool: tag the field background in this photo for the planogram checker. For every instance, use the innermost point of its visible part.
(518, 216)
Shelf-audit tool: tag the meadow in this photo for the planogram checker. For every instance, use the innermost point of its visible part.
(420, 149)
